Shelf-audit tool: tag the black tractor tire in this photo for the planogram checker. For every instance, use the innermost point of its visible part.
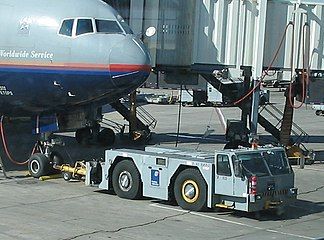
(190, 190)
(126, 180)
(106, 137)
(38, 165)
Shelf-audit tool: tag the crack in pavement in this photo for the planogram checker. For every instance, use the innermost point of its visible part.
(128, 227)
(311, 191)
(241, 235)
(46, 201)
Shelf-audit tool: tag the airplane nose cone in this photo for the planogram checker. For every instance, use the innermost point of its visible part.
(130, 63)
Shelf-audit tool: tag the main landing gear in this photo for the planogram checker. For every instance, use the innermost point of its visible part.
(88, 135)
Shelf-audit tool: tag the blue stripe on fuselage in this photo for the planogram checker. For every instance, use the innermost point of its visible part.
(63, 71)
(55, 71)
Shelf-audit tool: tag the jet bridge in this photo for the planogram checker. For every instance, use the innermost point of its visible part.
(206, 37)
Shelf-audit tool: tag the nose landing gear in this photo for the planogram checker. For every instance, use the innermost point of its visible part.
(42, 161)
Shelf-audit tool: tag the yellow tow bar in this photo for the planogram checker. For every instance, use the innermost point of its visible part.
(79, 170)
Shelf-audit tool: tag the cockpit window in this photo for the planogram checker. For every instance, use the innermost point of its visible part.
(108, 26)
(84, 26)
(124, 25)
(66, 27)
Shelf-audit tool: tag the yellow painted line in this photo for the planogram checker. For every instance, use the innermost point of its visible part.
(44, 178)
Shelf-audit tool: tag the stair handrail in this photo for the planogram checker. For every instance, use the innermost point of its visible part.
(302, 134)
(146, 117)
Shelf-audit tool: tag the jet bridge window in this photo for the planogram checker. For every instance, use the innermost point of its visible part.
(84, 26)
(66, 27)
(108, 26)
(223, 165)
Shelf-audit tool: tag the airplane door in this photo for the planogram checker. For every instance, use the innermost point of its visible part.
(223, 176)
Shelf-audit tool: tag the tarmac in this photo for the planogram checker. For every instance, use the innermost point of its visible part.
(55, 209)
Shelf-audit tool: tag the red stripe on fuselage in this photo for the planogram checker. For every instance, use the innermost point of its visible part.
(80, 66)
(129, 68)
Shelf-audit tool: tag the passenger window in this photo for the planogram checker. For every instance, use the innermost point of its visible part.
(66, 28)
(223, 165)
(84, 26)
(108, 26)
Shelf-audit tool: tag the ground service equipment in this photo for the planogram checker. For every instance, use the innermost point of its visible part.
(244, 179)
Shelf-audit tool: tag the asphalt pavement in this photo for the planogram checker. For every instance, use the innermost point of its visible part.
(55, 209)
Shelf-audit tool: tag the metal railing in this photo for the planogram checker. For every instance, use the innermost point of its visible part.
(146, 117)
(277, 114)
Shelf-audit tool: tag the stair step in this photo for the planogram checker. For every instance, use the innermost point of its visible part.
(285, 126)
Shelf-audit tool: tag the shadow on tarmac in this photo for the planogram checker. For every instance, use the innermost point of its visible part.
(71, 151)
(20, 142)
(298, 210)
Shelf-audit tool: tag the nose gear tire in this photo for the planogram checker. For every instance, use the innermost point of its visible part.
(38, 165)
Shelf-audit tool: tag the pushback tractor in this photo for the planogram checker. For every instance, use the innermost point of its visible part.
(248, 180)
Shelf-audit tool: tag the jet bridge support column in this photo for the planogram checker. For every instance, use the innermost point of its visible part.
(133, 118)
(2, 169)
(257, 67)
(246, 105)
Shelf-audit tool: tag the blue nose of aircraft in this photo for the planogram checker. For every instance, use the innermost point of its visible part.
(130, 63)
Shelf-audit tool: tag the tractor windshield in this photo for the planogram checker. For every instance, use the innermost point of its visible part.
(277, 162)
(261, 163)
(252, 164)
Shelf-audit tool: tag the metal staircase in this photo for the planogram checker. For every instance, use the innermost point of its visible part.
(284, 123)
(120, 128)
(283, 126)
(144, 120)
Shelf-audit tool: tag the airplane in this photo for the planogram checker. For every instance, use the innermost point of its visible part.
(61, 61)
